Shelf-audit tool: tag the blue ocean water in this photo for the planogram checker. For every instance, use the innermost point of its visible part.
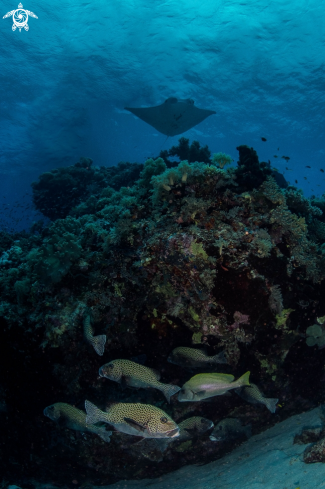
(64, 85)
(65, 82)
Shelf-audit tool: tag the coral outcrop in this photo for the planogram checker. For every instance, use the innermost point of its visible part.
(188, 254)
(58, 191)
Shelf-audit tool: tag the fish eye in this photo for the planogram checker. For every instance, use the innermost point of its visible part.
(163, 419)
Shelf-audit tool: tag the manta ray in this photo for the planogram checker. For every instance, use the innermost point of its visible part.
(172, 117)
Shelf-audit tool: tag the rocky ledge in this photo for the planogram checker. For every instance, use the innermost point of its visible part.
(270, 460)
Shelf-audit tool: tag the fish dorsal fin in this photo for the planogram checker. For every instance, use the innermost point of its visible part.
(137, 426)
(110, 405)
(227, 377)
(217, 376)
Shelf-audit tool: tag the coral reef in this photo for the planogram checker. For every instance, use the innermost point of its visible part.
(188, 253)
(221, 160)
(185, 151)
(58, 191)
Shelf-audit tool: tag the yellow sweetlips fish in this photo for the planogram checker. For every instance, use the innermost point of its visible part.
(134, 419)
(97, 342)
(68, 416)
(254, 395)
(132, 374)
(192, 358)
(194, 426)
(203, 386)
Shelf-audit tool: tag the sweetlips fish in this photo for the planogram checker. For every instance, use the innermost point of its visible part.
(134, 419)
(230, 429)
(203, 386)
(194, 358)
(70, 417)
(132, 374)
(254, 395)
(194, 426)
(189, 428)
(97, 342)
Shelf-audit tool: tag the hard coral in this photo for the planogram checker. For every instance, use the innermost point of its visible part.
(188, 152)
(251, 173)
(189, 253)
(59, 250)
(57, 192)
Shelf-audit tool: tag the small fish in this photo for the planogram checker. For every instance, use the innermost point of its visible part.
(189, 428)
(70, 417)
(296, 181)
(128, 373)
(287, 158)
(192, 427)
(305, 178)
(307, 166)
(263, 139)
(322, 170)
(253, 395)
(203, 386)
(134, 419)
(275, 156)
(289, 169)
(194, 358)
(229, 429)
(98, 342)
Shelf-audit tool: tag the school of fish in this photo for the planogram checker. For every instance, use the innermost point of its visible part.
(148, 421)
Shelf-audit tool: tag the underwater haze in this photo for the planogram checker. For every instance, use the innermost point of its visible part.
(162, 243)
(65, 82)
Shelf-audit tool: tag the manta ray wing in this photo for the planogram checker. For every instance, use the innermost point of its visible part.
(173, 116)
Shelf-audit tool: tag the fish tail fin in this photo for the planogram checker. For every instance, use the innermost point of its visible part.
(271, 403)
(220, 358)
(169, 390)
(104, 435)
(243, 380)
(94, 415)
(98, 343)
